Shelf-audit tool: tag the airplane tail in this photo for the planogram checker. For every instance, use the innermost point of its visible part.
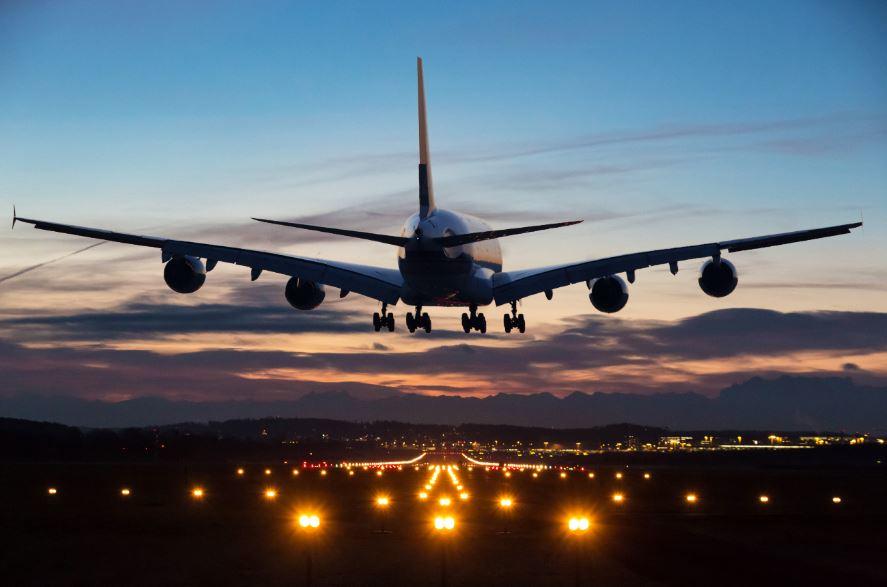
(426, 187)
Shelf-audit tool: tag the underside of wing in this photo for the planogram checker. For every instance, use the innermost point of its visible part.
(374, 282)
(514, 285)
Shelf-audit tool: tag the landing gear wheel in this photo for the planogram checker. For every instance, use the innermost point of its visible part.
(411, 322)
(466, 322)
(507, 321)
(521, 324)
(482, 323)
(426, 322)
(377, 322)
(389, 322)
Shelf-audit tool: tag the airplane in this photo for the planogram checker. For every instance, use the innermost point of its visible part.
(444, 258)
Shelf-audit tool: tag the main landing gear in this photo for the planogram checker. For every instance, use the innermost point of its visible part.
(420, 320)
(383, 320)
(475, 321)
(515, 320)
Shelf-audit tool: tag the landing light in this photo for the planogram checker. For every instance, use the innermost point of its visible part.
(52, 491)
(646, 475)
(240, 472)
(309, 521)
(618, 497)
(444, 523)
(270, 493)
(578, 524)
(197, 493)
(690, 497)
(505, 502)
(267, 471)
(764, 499)
(125, 492)
(382, 501)
(836, 499)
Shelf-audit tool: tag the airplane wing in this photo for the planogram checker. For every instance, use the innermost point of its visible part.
(374, 282)
(514, 285)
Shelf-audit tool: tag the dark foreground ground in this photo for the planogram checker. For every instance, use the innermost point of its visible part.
(88, 534)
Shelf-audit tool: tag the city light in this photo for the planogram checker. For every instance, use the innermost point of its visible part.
(618, 497)
(764, 499)
(580, 524)
(270, 493)
(125, 492)
(690, 497)
(197, 493)
(309, 521)
(444, 523)
(52, 491)
(836, 500)
(506, 503)
(382, 501)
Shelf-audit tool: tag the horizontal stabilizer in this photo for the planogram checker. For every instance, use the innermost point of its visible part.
(398, 241)
(473, 237)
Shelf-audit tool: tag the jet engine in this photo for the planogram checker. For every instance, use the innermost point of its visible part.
(184, 274)
(303, 294)
(609, 294)
(718, 278)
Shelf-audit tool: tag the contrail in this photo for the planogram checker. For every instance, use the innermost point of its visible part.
(39, 265)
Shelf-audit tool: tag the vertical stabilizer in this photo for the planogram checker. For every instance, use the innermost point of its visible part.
(426, 188)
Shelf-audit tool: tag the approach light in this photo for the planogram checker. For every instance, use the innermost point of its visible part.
(428, 486)
(444, 523)
(270, 493)
(690, 497)
(351, 473)
(197, 493)
(423, 495)
(382, 501)
(535, 475)
(309, 521)
(52, 491)
(618, 497)
(505, 503)
(463, 496)
(508, 473)
(764, 499)
(445, 501)
(836, 500)
(295, 472)
(267, 471)
(619, 475)
(240, 472)
(580, 524)
(646, 475)
(379, 473)
(125, 492)
(591, 475)
(563, 475)
(323, 472)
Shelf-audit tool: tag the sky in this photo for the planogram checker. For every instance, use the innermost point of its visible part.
(659, 125)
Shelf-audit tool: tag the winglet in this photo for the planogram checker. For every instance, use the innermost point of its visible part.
(14, 217)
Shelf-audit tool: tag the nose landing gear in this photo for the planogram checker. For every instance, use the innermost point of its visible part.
(383, 320)
(475, 321)
(420, 320)
(515, 320)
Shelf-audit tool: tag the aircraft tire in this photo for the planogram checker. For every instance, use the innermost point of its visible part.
(466, 323)
(521, 324)
(426, 322)
(389, 322)
(507, 322)
(377, 322)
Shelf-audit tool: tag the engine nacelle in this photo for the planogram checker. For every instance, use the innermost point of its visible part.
(718, 278)
(184, 274)
(609, 294)
(303, 294)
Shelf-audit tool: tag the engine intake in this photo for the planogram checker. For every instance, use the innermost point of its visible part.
(718, 278)
(609, 294)
(184, 274)
(303, 294)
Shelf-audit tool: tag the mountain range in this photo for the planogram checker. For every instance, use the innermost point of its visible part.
(783, 403)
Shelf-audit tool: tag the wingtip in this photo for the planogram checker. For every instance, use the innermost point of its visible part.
(14, 217)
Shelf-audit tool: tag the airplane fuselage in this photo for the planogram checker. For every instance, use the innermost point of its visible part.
(447, 276)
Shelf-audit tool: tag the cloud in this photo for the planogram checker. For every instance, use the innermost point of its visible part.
(593, 353)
